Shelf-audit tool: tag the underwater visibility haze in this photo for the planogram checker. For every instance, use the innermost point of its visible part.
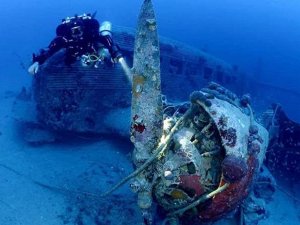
(173, 112)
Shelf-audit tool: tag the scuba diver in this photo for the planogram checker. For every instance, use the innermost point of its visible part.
(84, 39)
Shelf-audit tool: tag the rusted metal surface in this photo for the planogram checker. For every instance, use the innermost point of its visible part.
(232, 197)
(220, 144)
(235, 128)
(146, 107)
(245, 143)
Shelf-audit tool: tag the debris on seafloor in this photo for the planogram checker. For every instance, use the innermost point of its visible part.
(212, 159)
(201, 160)
(195, 160)
(284, 151)
(207, 161)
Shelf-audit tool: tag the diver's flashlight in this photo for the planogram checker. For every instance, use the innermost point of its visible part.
(120, 59)
(125, 68)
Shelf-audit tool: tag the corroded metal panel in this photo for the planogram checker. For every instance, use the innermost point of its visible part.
(146, 107)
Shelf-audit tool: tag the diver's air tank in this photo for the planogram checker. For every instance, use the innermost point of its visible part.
(105, 28)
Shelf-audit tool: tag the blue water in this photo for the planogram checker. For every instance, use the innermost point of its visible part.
(261, 37)
(240, 32)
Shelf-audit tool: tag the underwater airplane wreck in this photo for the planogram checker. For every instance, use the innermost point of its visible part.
(194, 159)
(197, 160)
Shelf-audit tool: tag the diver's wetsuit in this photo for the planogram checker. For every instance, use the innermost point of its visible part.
(87, 40)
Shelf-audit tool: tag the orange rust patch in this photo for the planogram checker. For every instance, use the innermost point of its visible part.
(236, 192)
(178, 194)
(191, 182)
(138, 80)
